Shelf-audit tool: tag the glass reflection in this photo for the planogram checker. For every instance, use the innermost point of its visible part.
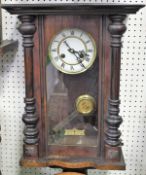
(66, 125)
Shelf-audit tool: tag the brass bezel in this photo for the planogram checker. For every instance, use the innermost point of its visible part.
(85, 97)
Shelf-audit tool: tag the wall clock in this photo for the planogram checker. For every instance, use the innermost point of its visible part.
(72, 72)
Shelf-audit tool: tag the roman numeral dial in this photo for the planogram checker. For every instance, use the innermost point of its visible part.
(72, 51)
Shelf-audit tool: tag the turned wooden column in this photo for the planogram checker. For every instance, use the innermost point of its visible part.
(112, 140)
(30, 118)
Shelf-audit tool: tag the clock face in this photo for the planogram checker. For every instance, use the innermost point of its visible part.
(72, 51)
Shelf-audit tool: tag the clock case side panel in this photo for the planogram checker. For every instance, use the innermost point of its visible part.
(41, 101)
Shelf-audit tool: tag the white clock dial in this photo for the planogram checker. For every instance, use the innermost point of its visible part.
(72, 51)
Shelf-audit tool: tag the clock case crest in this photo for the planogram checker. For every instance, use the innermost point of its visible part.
(39, 23)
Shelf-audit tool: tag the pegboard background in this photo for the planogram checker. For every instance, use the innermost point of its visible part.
(133, 95)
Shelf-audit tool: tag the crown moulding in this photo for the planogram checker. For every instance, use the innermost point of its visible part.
(72, 8)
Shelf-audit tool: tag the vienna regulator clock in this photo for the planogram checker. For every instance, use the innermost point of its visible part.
(72, 71)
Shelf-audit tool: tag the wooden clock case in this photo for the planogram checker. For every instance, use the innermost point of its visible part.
(40, 22)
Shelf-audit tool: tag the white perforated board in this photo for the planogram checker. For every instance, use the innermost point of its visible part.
(133, 96)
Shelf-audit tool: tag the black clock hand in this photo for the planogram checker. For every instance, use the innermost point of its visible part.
(74, 52)
(79, 60)
(69, 48)
(82, 54)
(65, 42)
(78, 52)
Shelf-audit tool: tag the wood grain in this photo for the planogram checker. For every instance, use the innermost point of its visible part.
(72, 9)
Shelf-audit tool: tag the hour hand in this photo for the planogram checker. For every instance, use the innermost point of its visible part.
(70, 49)
(79, 60)
(84, 55)
(74, 53)
(81, 54)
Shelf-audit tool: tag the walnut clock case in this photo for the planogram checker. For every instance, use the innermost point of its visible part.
(72, 58)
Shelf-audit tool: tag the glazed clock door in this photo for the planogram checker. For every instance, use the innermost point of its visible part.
(71, 50)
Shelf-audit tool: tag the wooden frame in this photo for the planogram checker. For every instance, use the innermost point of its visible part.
(32, 18)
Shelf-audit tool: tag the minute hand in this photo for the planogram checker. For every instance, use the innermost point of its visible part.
(65, 42)
(70, 49)
(74, 53)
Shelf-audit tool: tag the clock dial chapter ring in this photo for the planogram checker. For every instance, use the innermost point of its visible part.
(85, 105)
(77, 56)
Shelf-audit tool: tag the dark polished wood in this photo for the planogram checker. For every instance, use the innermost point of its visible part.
(30, 118)
(116, 29)
(81, 164)
(89, 157)
(72, 9)
(43, 21)
(88, 78)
